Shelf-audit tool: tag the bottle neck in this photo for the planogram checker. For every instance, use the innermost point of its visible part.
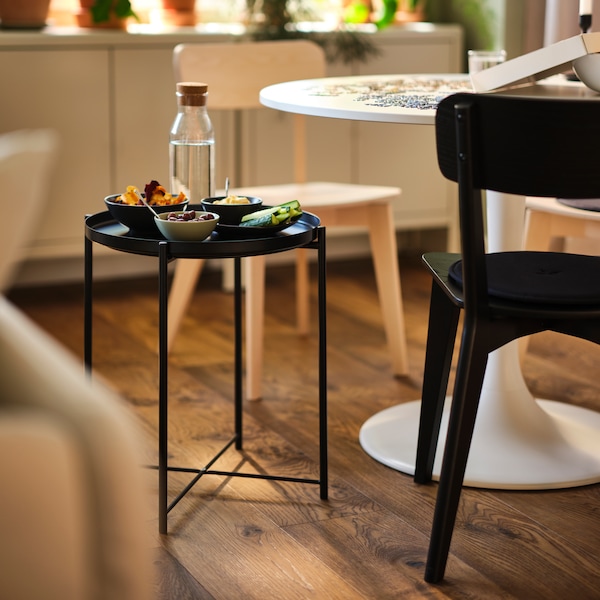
(193, 107)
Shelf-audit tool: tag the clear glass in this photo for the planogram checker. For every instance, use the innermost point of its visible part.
(192, 154)
(484, 59)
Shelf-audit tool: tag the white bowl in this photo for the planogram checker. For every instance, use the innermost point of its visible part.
(186, 231)
(587, 68)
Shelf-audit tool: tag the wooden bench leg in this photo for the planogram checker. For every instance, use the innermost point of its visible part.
(384, 249)
(302, 292)
(185, 278)
(545, 232)
(255, 325)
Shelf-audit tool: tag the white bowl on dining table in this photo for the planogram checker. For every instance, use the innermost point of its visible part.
(587, 68)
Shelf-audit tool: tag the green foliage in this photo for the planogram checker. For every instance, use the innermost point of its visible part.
(102, 9)
(346, 46)
(476, 16)
(478, 20)
(389, 13)
(274, 20)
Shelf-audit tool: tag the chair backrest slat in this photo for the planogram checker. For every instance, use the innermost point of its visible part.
(236, 72)
(526, 146)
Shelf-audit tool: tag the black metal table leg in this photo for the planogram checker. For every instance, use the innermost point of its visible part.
(163, 388)
(237, 279)
(87, 306)
(322, 277)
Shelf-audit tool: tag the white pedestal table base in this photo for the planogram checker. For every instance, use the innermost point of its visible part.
(518, 443)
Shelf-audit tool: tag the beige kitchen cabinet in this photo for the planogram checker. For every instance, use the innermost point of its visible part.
(404, 155)
(372, 153)
(145, 106)
(111, 97)
(67, 91)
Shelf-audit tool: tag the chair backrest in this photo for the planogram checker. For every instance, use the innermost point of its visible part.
(518, 145)
(26, 159)
(235, 73)
(515, 145)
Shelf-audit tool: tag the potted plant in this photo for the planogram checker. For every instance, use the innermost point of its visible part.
(180, 13)
(275, 19)
(409, 11)
(25, 14)
(105, 13)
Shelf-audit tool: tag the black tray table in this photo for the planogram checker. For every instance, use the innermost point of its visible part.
(307, 232)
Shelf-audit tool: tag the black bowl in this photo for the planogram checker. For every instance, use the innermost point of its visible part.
(138, 217)
(231, 214)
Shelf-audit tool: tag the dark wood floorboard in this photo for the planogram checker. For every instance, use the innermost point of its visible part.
(235, 538)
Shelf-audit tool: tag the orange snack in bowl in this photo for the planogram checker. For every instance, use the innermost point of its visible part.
(156, 194)
(130, 196)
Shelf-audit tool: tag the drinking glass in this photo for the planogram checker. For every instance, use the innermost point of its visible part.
(484, 59)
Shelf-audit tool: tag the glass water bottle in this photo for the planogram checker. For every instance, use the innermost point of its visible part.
(192, 144)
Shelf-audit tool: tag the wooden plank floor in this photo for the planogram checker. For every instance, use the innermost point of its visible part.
(238, 538)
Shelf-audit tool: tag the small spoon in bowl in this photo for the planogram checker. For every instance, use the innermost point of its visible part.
(143, 200)
(226, 187)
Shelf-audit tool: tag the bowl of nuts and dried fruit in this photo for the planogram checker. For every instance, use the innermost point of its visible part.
(186, 225)
(129, 209)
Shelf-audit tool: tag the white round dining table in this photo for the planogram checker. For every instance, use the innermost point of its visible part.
(519, 442)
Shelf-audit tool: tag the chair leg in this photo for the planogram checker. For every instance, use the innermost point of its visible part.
(467, 390)
(537, 233)
(382, 236)
(255, 325)
(547, 232)
(443, 322)
(302, 292)
(185, 278)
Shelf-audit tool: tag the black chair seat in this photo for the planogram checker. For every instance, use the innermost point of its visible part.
(539, 277)
(440, 263)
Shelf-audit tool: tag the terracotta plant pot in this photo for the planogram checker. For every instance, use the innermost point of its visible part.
(410, 16)
(406, 14)
(23, 14)
(179, 13)
(181, 5)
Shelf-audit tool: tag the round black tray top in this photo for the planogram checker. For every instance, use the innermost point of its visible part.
(103, 229)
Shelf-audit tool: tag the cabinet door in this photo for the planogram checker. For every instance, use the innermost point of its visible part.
(404, 155)
(415, 53)
(145, 106)
(365, 152)
(267, 135)
(65, 90)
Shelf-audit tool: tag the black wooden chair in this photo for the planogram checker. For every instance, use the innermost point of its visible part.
(522, 146)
